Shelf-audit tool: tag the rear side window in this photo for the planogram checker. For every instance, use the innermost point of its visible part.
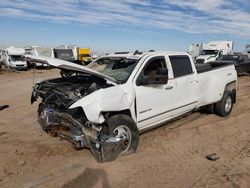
(181, 65)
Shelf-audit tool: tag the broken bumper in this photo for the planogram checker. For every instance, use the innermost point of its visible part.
(103, 147)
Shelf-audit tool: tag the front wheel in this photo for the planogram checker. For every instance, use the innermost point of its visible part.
(225, 105)
(123, 126)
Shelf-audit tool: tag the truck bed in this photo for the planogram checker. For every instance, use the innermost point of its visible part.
(201, 68)
(212, 80)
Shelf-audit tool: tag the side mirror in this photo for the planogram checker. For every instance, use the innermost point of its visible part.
(162, 72)
(141, 80)
(160, 77)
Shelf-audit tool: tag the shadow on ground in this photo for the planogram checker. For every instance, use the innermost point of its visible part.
(91, 178)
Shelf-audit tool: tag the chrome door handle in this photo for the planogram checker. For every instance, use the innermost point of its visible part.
(169, 87)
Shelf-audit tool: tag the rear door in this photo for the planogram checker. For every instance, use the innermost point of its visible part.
(185, 98)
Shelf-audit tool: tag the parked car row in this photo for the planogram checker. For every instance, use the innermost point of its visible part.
(208, 52)
(221, 52)
(12, 57)
(213, 50)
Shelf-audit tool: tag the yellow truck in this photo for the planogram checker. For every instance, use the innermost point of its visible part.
(84, 55)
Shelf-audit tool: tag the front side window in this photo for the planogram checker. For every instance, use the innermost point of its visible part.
(181, 65)
(149, 73)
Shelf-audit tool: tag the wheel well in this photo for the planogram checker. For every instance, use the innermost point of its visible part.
(232, 88)
(109, 114)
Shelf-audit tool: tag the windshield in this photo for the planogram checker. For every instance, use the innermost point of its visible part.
(209, 52)
(16, 58)
(229, 58)
(118, 68)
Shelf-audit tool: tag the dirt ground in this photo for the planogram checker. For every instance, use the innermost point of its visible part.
(173, 155)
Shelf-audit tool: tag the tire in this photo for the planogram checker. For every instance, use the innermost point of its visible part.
(122, 125)
(224, 107)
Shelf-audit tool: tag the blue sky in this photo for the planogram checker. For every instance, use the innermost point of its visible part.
(127, 25)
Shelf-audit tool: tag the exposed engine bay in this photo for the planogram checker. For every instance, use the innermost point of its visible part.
(57, 119)
(60, 93)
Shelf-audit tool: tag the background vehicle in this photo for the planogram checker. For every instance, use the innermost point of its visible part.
(106, 104)
(213, 50)
(84, 55)
(64, 54)
(248, 50)
(1, 58)
(73, 53)
(12, 58)
(241, 62)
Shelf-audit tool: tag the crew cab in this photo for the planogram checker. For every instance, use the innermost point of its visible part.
(241, 62)
(105, 105)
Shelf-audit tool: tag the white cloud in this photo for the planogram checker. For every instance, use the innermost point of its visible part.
(202, 5)
(191, 16)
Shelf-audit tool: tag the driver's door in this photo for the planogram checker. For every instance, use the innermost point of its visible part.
(154, 102)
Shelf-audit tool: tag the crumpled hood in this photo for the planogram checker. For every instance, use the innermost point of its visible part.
(115, 98)
(61, 64)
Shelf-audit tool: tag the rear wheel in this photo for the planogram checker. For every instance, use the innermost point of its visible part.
(225, 105)
(123, 126)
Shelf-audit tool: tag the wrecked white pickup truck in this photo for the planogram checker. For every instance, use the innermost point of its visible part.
(105, 105)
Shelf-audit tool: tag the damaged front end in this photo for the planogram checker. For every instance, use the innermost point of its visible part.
(104, 148)
(57, 119)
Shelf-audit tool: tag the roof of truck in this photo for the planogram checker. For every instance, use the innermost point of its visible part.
(138, 55)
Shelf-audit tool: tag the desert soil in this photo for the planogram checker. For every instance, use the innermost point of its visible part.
(173, 155)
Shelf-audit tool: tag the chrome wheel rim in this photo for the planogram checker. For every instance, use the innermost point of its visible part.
(122, 131)
(228, 104)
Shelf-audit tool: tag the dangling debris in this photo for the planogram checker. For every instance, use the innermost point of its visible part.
(212, 157)
(3, 107)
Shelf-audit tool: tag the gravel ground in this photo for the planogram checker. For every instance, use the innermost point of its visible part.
(173, 155)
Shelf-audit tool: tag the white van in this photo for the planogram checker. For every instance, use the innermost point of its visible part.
(12, 58)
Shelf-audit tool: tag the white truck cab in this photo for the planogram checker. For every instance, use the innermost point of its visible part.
(213, 50)
(12, 58)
